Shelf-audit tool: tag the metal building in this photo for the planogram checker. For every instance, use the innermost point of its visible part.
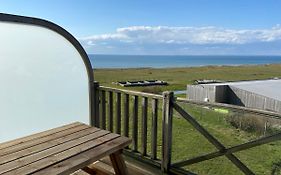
(260, 94)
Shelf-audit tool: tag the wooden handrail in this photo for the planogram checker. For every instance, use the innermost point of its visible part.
(232, 107)
(143, 94)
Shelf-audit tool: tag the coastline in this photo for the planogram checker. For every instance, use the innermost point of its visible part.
(182, 67)
(157, 61)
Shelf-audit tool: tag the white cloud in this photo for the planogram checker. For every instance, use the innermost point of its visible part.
(147, 36)
(192, 35)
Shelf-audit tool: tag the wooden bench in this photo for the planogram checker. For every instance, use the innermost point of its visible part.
(62, 150)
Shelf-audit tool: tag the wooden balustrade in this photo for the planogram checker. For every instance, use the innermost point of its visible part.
(147, 118)
(132, 114)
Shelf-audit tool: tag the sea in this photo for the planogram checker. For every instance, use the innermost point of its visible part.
(164, 61)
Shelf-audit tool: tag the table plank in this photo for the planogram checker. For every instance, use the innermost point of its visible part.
(48, 152)
(38, 135)
(40, 147)
(86, 158)
(61, 150)
(37, 141)
(53, 159)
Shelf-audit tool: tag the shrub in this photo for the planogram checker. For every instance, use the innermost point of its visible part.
(254, 123)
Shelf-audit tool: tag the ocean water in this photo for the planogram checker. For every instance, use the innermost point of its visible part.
(137, 61)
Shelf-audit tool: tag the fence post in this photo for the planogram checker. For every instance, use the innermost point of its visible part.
(167, 114)
(94, 120)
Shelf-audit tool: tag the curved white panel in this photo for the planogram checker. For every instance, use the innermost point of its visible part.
(43, 81)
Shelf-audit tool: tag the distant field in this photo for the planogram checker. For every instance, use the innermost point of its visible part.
(178, 78)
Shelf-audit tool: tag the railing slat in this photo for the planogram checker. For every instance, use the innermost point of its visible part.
(103, 110)
(167, 130)
(154, 129)
(110, 111)
(126, 115)
(135, 125)
(97, 105)
(144, 126)
(118, 113)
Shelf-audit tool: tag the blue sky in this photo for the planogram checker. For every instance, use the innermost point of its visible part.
(185, 27)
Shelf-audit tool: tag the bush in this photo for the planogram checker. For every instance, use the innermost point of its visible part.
(254, 123)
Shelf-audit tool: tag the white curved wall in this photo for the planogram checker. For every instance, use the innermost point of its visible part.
(43, 81)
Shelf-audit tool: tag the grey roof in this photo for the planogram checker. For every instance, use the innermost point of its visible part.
(269, 88)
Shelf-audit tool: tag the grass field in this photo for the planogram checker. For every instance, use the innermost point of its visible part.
(178, 78)
(187, 142)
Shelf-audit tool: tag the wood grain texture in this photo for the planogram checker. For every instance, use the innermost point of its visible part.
(135, 124)
(36, 141)
(16, 142)
(154, 128)
(118, 163)
(110, 112)
(50, 152)
(65, 153)
(144, 126)
(84, 159)
(126, 115)
(46, 145)
(118, 113)
(103, 110)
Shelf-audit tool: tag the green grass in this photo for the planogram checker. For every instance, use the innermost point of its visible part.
(178, 78)
(187, 142)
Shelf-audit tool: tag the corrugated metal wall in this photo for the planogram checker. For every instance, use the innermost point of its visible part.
(252, 100)
(200, 92)
(232, 95)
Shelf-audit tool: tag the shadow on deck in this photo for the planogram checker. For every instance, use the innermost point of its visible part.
(104, 167)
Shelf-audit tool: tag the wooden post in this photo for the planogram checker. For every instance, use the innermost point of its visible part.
(94, 120)
(167, 115)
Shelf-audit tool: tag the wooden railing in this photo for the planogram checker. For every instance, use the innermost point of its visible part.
(222, 150)
(148, 120)
(128, 113)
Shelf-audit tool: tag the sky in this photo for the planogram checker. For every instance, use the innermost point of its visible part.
(163, 27)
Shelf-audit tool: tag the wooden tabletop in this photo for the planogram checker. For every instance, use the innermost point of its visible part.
(62, 150)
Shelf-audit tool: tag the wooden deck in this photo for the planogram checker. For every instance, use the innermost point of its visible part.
(62, 150)
(104, 167)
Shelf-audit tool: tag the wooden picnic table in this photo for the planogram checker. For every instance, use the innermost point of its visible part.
(62, 150)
